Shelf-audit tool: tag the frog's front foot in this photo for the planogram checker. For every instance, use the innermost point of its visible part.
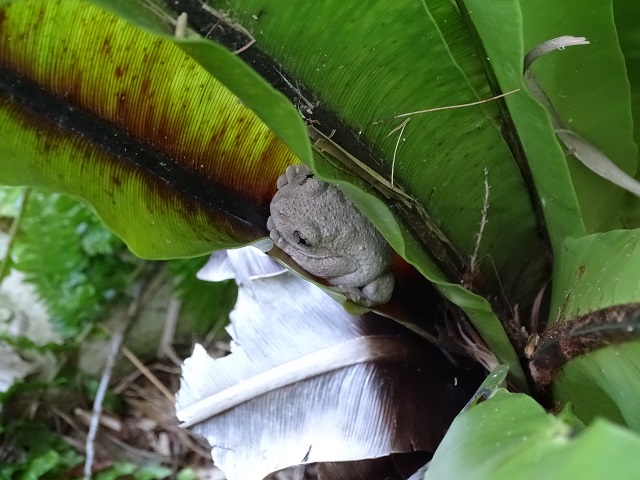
(379, 291)
(376, 292)
(355, 295)
(278, 241)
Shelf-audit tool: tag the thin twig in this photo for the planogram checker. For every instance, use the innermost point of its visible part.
(310, 106)
(244, 47)
(114, 346)
(165, 348)
(483, 223)
(117, 338)
(502, 292)
(395, 150)
(13, 233)
(449, 107)
(147, 373)
(535, 311)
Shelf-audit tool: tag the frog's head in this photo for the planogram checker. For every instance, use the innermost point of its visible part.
(294, 213)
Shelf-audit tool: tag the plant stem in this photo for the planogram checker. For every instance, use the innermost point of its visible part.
(13, 233)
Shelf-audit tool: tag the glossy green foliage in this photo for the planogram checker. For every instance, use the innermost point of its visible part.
(129, 122)
(398, 59)
(511, 436)
(207, 304)
(595, 272)
(590, 90)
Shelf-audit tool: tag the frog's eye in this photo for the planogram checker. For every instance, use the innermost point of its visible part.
(301, 239)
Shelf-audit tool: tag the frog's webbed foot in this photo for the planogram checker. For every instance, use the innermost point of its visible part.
(376, 292)
(278, 241)
(379, 291)
(355, 295)
(293, 174)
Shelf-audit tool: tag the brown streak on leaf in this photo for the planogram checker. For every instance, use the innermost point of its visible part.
(581, 335)
(106, 46)
(165, 99)
(581, 271)
(100, 168)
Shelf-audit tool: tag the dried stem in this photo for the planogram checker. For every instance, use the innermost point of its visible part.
(395, 150)
(449, 107)
(483, 223)
(114, 346)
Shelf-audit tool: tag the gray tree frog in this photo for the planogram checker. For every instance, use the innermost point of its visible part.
(319, 228)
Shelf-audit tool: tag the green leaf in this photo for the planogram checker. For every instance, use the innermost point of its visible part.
(589, 89)
(629, 37)
(117, 471)
(269, 104)
(187, 474)
(152, 472)
(492, 383)
(547, 164)
(40, 465)
(596, 271)
(511, 436)
(169, 158)
(207, 303)
(599, 273)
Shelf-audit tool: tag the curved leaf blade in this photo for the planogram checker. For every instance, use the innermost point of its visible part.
(511, 436)
(535, 132)
(168, 156)
(476, 307)
(589, 89)
(321, 60)
(596, 272)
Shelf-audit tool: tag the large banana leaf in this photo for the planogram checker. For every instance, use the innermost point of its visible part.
(168, 156)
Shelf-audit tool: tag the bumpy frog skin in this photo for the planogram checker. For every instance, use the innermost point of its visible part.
(319, 228)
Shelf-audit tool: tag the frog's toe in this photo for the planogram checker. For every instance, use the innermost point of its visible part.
(273, 234)
(297, 173)
(282, 181)
(279, 241)
(352, 293)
